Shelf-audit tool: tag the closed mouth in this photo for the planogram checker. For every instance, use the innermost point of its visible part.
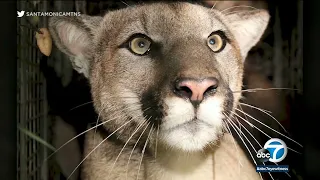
(190, 124)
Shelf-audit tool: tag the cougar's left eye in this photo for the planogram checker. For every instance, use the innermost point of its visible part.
(140, 45)
(216, 41)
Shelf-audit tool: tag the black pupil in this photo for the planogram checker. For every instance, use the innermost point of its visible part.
(141, 44)
(212, 41)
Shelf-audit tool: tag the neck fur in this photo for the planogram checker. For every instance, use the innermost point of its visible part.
(175, 164)
(226, 161)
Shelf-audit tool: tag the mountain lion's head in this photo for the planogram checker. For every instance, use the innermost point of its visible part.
(175, 67)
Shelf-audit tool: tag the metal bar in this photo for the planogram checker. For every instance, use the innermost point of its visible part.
(23, 167)
(45, 108)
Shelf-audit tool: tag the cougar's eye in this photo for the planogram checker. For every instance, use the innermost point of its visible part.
(140, 44)
(216, 41)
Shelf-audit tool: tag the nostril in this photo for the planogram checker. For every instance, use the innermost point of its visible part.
(195, 89)
(184, 91)
(211, 89)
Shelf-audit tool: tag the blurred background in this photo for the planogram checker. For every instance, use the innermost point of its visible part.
(54, 103)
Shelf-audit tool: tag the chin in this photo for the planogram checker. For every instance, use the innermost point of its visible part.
(190, 130)
(192, 137)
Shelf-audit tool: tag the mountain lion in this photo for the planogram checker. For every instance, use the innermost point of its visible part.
(166, 81)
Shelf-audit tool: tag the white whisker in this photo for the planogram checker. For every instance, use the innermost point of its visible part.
(135, 131)
(269, 127)
(125, 3)
(136, 145)
(143, 150)
(260, 130)
(251, 146)
(81, 105)
(265, 111)
(215, 3)
(80, 135)
(98, 146)
(255, 107)
(245, 145)
(156, 148)
(263, 89)
(257, 142)
(238, 7)
(234, 142)
(95, 131)
(233, 12)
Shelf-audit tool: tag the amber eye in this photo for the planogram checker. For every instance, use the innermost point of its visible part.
(216, 42)
(140, 45)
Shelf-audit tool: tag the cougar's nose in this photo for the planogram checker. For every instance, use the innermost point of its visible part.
(195, 89)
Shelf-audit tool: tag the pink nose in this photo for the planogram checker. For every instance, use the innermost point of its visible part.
(195, 90)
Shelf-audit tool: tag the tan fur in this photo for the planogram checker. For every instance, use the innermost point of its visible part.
(128, 90)
(225, 162)
(237, 5)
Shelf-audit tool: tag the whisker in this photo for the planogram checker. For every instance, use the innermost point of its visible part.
(98, 146)
(81, 105)
(233, 12)
(98, 118)
(92, 102)
(252, 147)
(78, 136)
(240, 164)
(257, 143)
(224, 127)
(95, 131)
(156, 149)
(264, 89)
(261, 131)
(239, 7)
(245, 145)
(125, 3)
(136, 145)
(136, 130)
(143, 150)
(255, 107)
(234, 142)
(294, 150)
(215, 3)
(244, 116)
(265, 111)
(269, 127)
(126, 108)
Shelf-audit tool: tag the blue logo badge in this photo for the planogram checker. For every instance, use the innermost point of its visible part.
(274, 150)
(277, 148)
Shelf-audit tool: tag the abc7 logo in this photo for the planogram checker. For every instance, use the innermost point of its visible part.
(275, 150)
(263, 155)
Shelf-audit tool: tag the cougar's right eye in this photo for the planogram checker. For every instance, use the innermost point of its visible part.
(217, 41)
(140, 44)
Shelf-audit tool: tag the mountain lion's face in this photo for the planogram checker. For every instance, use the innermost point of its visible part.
(173, 67)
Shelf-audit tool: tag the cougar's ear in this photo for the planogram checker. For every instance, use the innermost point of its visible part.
(248, 28)
(74, 37)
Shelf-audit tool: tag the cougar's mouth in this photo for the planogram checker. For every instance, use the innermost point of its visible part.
(193, 126)
(185, 123)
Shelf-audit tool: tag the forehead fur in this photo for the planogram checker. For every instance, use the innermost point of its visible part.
(160, 21)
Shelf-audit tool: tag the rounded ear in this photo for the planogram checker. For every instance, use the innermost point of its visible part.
(248, 28)
(74, 37)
